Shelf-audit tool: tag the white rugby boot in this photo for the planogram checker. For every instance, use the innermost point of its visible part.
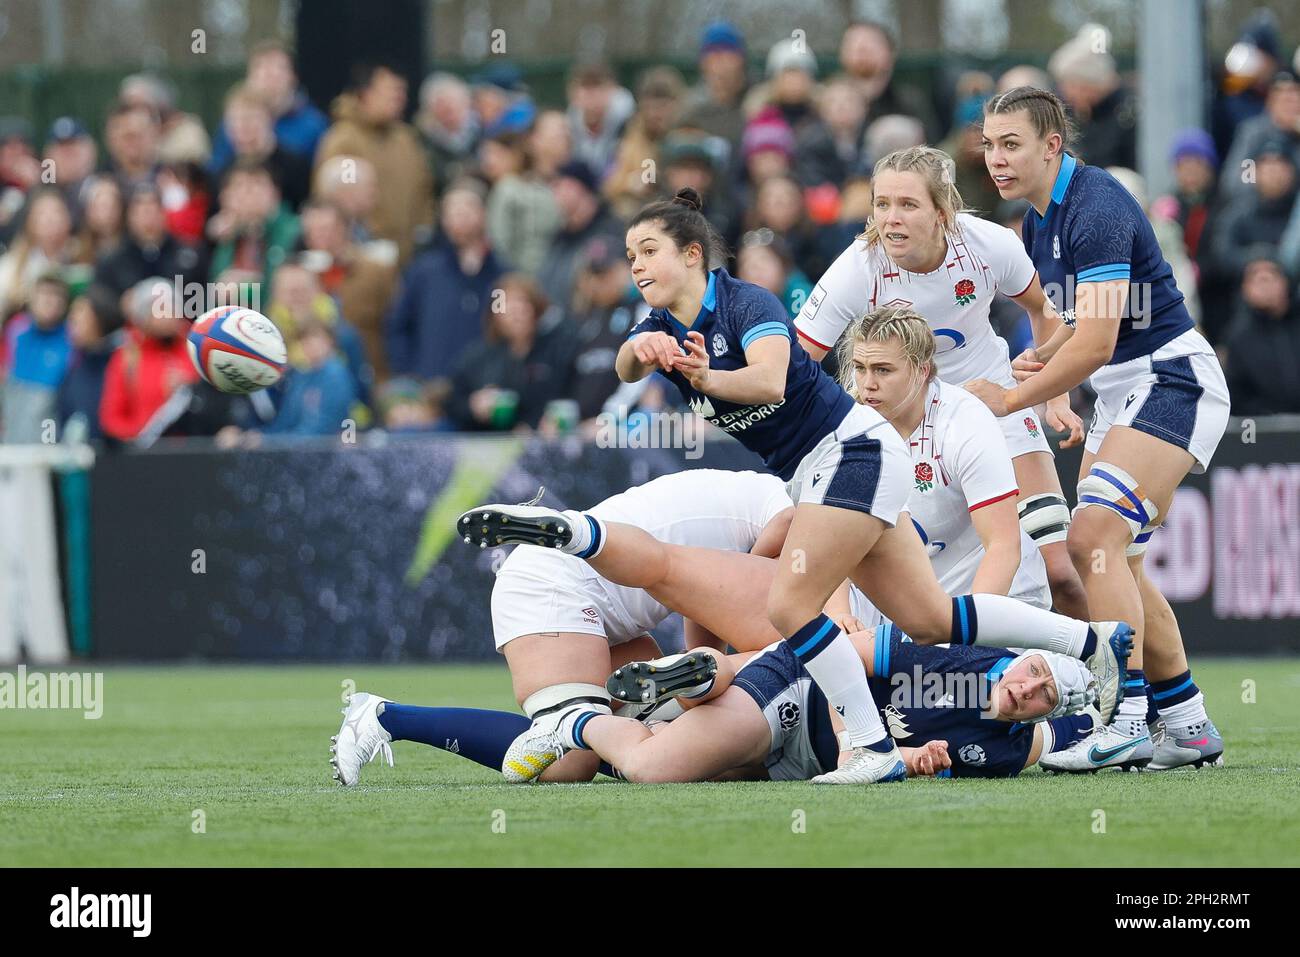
(689, 674)
(361, 738)
(537, 748)
(1107, 746)
(865, 766)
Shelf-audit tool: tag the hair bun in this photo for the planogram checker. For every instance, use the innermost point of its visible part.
(688, 197)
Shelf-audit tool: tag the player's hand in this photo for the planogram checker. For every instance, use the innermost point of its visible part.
(695, 364)
(991, 394)
(1062, 418)
(849, 624)
(927, 760)
(655, 349)
(1026, 364)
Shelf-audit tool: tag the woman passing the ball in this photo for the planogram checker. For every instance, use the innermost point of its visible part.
(728, 347)
(1162, 403)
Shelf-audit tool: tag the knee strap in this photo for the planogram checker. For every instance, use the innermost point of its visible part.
(1139, 543)
(1108, 486)
(1045, 518)
(558, 696)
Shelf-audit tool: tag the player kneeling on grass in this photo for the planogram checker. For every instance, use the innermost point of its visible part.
(562, 628)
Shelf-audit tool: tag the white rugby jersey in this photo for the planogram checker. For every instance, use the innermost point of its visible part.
(706, 508)
(955, 298)
(960, 463)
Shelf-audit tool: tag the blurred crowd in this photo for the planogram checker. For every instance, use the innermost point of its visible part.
(466, 270)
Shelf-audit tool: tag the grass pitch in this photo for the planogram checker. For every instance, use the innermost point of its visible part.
(248, 747)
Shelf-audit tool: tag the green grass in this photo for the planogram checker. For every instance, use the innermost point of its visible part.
(248, 746)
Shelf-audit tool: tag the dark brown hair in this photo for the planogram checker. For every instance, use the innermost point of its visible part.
(1046, 111)
(683, 220)
(514, 283)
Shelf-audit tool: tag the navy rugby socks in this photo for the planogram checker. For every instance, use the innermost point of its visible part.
(482, 736)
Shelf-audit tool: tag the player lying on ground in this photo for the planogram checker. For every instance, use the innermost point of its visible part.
(971, 712)
(562, 628)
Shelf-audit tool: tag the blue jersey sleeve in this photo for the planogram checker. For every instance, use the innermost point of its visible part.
(1101, 230)
(759, 315)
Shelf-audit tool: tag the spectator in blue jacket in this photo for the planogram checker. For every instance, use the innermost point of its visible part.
(299, 125)
(36, 357)
(319, 394)
(445, 290)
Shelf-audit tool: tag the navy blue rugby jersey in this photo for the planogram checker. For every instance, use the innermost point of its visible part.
(927, 693)
(734, 315)
(1094, 231)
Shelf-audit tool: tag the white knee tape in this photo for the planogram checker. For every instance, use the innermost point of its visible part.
(1045, 518)
(1109, 486)
(1139, 544)
(557, 696)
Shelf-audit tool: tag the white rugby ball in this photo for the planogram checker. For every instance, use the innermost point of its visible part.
(237, 350)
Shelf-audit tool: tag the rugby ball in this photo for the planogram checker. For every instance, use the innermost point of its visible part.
(237, 350)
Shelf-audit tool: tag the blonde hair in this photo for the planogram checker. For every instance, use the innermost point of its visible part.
(886, 324)
(940, 174)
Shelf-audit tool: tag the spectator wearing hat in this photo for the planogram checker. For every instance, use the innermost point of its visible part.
(444, 291)
(19, 172)
(362, 286)
(715, 103)
(868, 55)
(33, 361)
(72, 151)
(550, 144)
(1104, 110)
(1262, 345)
(506, 379)
(790, 89)
(493, 90)
(250, 128)
(1279, 123)
(298, 125)
(606, 306)
(1260, 217)
(368, 124)
(598, 111)
(633, 181)
(691, 158)
(44, 246)
(1245, 77)
(1191, 208)
(147, 249)
(768, 147)
(133, 135)
(583, 216)
(522, 217)
(94, 331)
(450, 127)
